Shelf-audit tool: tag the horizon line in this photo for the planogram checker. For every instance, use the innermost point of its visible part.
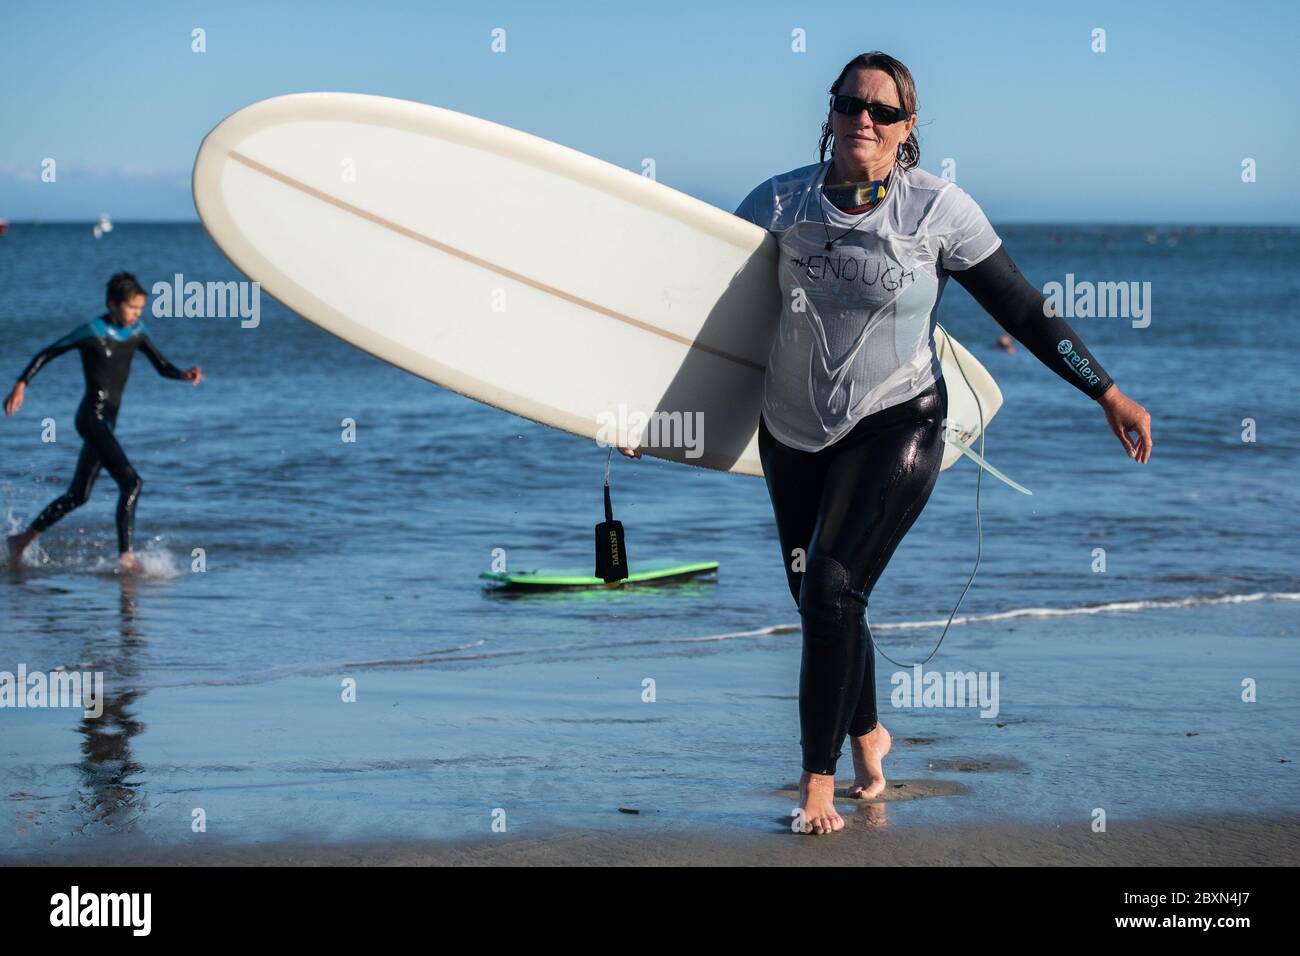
(91, 220)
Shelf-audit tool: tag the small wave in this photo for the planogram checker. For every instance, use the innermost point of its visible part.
(1111, 608)
(1024, 612)
(320, 667)
(457, 654)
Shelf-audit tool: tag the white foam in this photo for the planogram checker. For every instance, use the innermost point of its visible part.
(1027, 612)
(155, 560)
(1112, 608)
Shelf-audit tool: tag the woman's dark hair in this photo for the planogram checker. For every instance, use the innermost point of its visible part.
(909, 151)
(123, 287)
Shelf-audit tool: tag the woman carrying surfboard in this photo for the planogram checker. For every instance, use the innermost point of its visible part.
(851, 432)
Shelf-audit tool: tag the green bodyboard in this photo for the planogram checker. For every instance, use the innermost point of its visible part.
(640, 574)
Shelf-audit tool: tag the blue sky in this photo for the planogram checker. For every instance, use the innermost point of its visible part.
(1042, 129)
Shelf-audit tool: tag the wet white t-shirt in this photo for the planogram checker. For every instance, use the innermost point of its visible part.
(857, 326)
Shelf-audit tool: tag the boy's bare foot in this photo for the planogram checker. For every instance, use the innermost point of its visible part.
(869, 752)
(17, 544)
(817, 803)
(129, 561)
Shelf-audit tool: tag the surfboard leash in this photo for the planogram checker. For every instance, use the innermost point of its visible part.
(611, 550)
(979, 530)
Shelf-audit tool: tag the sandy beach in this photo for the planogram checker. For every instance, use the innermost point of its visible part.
(521, 762)
(1221, 842)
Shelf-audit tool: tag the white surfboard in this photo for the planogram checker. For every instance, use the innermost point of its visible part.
(515, 271)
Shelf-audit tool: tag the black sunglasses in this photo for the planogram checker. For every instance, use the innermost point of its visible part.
(879, 112)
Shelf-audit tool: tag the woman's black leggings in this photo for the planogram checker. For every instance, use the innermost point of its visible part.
(95, 423)
(845, 509)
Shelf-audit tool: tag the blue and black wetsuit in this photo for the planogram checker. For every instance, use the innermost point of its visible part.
(106, 352)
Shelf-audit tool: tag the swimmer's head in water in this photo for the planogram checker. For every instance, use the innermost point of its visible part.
(125, 298)
(876, 78)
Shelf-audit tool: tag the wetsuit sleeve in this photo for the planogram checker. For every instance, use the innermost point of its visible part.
(1022, 310)
(38, 362)
(165, 368)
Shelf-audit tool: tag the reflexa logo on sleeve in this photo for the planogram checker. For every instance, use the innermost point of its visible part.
(1081, 366)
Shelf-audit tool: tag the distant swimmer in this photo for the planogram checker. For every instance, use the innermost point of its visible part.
(1006, 345)
(107, 345)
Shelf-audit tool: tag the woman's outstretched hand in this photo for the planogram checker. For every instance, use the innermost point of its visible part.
(1127, 416)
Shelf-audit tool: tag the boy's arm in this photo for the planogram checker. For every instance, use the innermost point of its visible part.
(165, 368)
(65, 344)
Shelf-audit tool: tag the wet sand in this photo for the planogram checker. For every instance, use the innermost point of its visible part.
(1142, 719)
(864, 842)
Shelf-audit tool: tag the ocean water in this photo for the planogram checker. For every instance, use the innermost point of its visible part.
(327, 558)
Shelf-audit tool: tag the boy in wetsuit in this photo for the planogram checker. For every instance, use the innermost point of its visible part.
(107, 345)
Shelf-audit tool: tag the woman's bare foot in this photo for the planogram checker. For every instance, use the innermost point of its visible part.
(868, 763)
(129, 561)
(817, 803)
(17, 544)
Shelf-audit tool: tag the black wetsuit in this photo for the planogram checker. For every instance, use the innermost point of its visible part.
(106, 352)
(849, 505)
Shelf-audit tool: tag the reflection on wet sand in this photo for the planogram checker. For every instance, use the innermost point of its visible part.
(109, 795)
